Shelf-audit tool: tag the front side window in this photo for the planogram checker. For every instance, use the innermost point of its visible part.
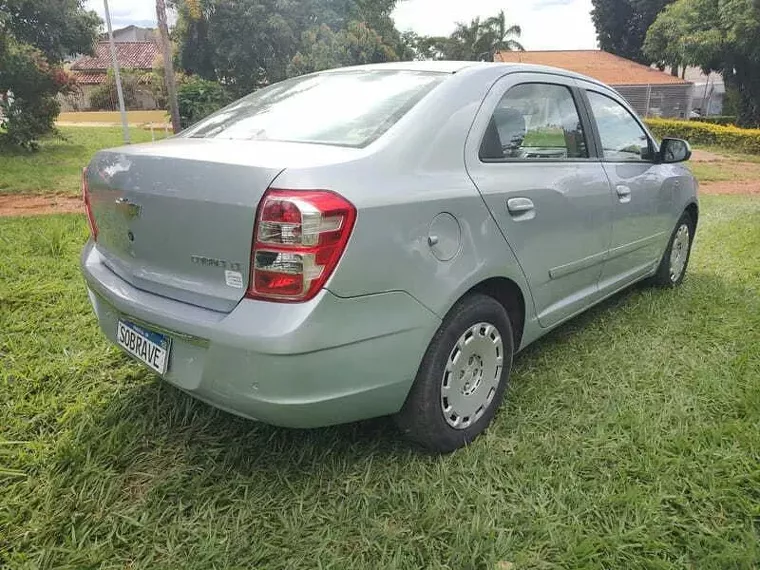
(347, 108)
(623, 139)
(535, 121)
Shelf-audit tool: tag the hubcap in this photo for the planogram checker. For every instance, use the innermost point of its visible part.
(472, 375)
(679, 253)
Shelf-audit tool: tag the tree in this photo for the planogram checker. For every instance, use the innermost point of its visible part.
(621, 25)
(500, 36)
(325, 49)
(35, 37)
(422, 48)
(245, 44)
(196, 56)
(478, 40)
(166, 51)
(663, 45)
(716, 35)
(57, 28)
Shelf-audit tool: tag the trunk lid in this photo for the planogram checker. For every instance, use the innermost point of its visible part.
(176, 218)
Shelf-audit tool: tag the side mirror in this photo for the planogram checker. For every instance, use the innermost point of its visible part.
(674, 150)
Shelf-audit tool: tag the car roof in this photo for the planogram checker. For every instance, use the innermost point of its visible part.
(432, 66)
(456, 66)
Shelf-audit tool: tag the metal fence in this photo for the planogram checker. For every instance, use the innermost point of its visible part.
(667, 101)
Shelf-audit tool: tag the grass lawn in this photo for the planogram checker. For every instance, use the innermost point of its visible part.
(630, 439)
(57, 167)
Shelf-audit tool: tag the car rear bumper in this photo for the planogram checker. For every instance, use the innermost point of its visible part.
(328, 361)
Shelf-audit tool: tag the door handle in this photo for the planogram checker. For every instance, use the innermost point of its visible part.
(521, 208)
(623, 192)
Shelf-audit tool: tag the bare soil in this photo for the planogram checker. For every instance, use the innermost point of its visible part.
(731, 187)
(698, 155)
(32, 205)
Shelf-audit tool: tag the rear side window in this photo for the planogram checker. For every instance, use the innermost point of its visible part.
(623, 139)
(351, 108)
(535, 121)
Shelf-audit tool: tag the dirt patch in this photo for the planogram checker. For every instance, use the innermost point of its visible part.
(706, 156)
(731, 187)
(32, 205)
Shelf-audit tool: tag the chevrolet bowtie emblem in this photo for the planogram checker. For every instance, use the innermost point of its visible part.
(129, 209)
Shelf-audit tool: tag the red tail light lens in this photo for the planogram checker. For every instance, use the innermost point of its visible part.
(298, 240)
(88, 206)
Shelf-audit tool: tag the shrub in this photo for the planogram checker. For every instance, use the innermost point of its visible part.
(28, 85)
(25, 121)
(105, 97)
(198, 98)
(729, 137)
(717, 119)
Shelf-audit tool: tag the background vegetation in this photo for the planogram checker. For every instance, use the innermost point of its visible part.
(35, 37)
(701, 133)
(715, 35)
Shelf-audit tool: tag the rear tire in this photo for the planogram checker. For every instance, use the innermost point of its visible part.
(675, 260)
(461, 381)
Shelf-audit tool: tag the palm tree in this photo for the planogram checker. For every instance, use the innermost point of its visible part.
(463, 42)
(501, 36)
(481, 39)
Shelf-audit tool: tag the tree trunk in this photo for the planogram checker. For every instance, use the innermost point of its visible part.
(166, 49)
(748, 85)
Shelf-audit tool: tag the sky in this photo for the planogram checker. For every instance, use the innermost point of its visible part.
(546, 24)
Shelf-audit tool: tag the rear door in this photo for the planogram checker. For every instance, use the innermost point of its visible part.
(642, 200)
(532, 156)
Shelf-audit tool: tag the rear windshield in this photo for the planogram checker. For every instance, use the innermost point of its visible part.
(351, 108)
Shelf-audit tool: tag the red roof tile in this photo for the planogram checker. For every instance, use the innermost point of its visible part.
(600, 65)
(89, 78)
(133, 55)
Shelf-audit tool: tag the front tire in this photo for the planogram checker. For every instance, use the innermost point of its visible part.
(675, 260)
(461, 381)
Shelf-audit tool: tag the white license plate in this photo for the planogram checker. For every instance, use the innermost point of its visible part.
(150, 347)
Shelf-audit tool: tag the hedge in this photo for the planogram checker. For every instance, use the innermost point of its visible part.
(728, 137)
(717, 119)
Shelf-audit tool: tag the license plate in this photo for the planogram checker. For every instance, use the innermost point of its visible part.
(150, 347)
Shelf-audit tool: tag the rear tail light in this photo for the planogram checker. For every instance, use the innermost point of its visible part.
(88, 206)
(298, 240)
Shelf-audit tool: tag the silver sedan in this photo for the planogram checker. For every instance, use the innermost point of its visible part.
(380, 240)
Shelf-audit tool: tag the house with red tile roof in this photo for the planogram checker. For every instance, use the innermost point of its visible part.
(651, 92)
(92, 71)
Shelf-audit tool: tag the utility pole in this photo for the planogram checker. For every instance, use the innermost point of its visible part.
(117, 75)
(166, 49)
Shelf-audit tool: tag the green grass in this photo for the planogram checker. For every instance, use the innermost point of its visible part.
(57, 167)
(733, 167)
(547, 137)
(630, 439)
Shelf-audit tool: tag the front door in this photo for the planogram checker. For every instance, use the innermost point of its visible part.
(530, 153)
(642, 209)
